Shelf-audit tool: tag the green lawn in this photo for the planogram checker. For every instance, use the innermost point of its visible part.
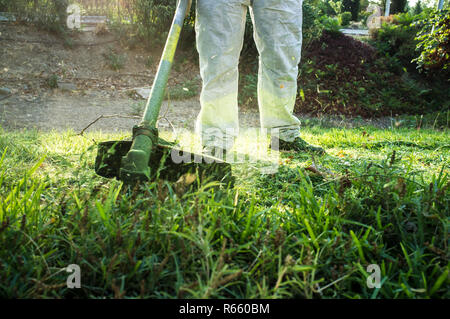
(309, 231)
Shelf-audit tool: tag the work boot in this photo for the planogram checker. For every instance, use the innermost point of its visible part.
(299, 145)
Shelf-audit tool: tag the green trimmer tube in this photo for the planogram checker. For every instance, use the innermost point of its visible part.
(134, 166)
(147, 156)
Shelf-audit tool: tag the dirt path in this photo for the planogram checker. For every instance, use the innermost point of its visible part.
(29, 58)
(62, 111)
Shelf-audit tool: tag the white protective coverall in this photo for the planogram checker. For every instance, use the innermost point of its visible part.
(220, 27)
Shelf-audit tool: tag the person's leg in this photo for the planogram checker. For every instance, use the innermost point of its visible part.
(278, 37)
(220, 27)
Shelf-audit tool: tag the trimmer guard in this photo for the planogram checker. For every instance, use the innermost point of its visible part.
(109, 156)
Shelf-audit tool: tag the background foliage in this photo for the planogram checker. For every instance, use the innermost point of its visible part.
(434, 42)
(47, 14)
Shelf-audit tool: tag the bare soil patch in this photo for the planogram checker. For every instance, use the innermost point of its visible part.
(29, 57)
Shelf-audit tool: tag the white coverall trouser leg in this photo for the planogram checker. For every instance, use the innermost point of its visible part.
(220, 27)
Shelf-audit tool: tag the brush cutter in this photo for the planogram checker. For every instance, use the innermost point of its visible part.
(147, 156)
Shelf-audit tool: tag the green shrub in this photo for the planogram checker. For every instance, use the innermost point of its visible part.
(434, 43)
(325, 7)
(312, 28)
(398, 6)
(351, 6)
(115, 60)
(49, 15)
(417, 8)
(151, 19)
(410, 44)
(345, 18)
(148, 22)
(397, 43)
(330, 24)
(3, 5)
(404, 19)
(249, 47)
(52, 81)
(248, 96)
